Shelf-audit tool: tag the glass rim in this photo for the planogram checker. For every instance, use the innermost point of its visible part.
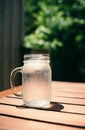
(36, 56)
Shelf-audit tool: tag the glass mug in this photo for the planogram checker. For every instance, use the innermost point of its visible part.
(36, 80)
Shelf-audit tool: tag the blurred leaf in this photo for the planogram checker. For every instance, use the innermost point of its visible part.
(58, 26)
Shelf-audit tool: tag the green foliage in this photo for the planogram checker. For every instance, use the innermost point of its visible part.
(58, 26)
(40, 40)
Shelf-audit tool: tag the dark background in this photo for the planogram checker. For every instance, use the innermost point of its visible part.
(58, 27)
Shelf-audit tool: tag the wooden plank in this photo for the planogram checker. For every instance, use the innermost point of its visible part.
(69, 100)
(42, 115)
(10, 123)
(11, 38)
(6, 42)
(1, 42)
(71, 117)
(65, 89)
(11, 101)
(8, 92)
(65, 92)
(68, 87)
(69, 94)
(17, 31)
(78, 109)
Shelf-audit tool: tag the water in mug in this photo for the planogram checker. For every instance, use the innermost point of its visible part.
(36, 84)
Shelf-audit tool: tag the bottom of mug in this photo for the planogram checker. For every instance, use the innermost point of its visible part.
(38, 103)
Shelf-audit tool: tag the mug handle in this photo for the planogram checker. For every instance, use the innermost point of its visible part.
(12, 83)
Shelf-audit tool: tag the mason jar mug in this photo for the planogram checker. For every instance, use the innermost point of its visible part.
(36, 80)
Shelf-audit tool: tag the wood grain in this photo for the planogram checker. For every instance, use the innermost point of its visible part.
(30, 125)
(72, 117)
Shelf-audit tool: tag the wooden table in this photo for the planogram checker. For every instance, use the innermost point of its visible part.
(66, 111)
